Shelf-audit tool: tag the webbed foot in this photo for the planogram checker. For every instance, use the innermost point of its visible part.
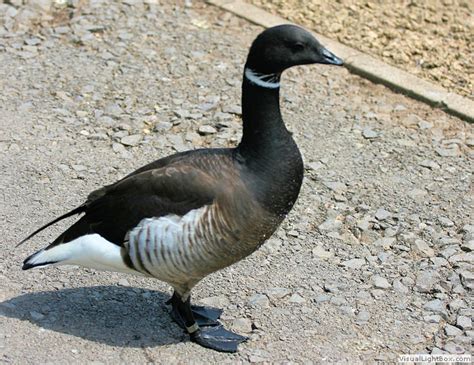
(203, 326)
(218, 338)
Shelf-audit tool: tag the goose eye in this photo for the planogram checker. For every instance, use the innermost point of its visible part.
(297, 47)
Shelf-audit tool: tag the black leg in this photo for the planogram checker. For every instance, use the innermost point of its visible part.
(213, 336)
(204, 316)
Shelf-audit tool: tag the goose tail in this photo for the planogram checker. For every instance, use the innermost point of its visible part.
(77, 210)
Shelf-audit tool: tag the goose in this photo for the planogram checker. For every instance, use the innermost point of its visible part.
(185, 216)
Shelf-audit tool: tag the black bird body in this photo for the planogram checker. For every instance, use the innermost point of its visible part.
(185, 216)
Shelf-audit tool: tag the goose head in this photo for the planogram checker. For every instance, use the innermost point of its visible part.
(284, 46)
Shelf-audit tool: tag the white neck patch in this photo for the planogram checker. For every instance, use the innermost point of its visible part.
(268, 81)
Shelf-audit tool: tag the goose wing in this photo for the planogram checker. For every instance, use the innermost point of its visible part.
(113, 210)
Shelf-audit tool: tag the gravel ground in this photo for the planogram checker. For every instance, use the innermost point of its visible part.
(432, 39)
(375, 260)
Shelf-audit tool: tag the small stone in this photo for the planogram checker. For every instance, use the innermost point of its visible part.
(434, 318)
(79, 168)
(113, 109)
(363, 316)
(435, 305)
(453, 151)
(163, 126)
(411, 120)
(296, 298)
(381, 214)
(452, 331)
(380, 282)
(464, 322)
(321, 253)
(242, 325)
(219, 301)
(385, 242)
(417, 194)
(454, 348)
(354, 263)
(258, 355)
(331, 287)
(124, 282)
(456, 304)
(132, 140)
(445, 222)
(463, 257)
(426, 281)
(330, 225)
(423, 124)
(399, 287)
(368, 133)
(206, 129)
(422, 247)
(106, 121)
(278, 293)
(429, 164)
(258, 300)
(468, 246)
(321, 298)
(118, 148)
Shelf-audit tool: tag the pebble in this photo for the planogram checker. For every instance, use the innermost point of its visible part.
(331, 287)
(259, 300)
(321, 253)
(123, 282)
(113, 109)
(296, 298)
(423, 124)
(242, 325)
(434, 318)
(354, 263)
(278, 293)
(380, 282)
(330, 225)
(381, 214)
(452, 331)
(448, 152)
(422, 247)
(454, 348)
(131, 140)
(162, 126)
(399, 287)
(435, 305)
(456, 304)
(426, 281)
(445, 222)
(321, 298)
(464, 322)
(430, 164)
(468, 246)
(369, 133)
(205, 130)
(363, 316)
(219, 301)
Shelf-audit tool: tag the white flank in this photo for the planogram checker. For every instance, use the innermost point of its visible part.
(163, 245)
(92, 251)
(268, 81)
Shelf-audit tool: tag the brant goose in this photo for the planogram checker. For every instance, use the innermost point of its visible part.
(184, 216)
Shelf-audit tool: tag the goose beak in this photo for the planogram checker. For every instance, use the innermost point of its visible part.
(330, 58)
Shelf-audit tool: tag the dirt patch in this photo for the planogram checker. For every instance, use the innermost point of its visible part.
(431, 39)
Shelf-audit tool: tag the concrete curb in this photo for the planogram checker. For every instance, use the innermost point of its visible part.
(366, 66)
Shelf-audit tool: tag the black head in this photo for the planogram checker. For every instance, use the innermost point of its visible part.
(284, 46)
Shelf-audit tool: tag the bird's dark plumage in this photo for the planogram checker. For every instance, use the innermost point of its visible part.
(185, 216)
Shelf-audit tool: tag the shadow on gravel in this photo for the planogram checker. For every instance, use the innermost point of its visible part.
(114, 315)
